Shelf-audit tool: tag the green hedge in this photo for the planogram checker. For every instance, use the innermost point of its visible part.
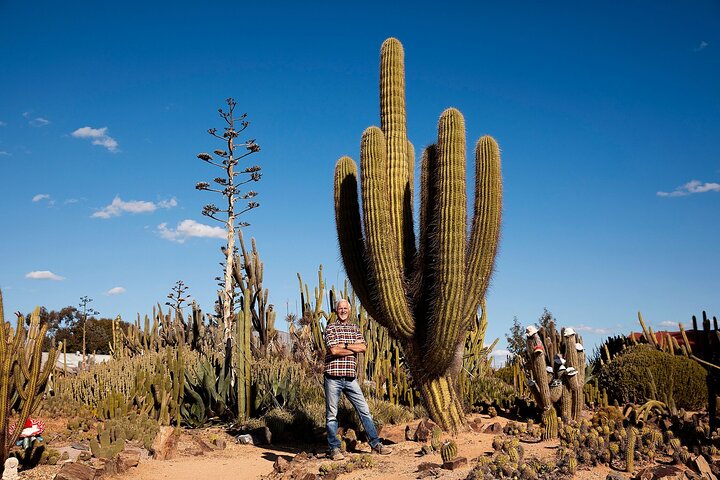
(629, 378)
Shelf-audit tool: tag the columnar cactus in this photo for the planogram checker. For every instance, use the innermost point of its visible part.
(425, 294)
(556, 365)
(21, 375)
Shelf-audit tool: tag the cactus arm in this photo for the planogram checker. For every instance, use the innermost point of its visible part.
(382, 248)
(485, 230)
(446, 325)
(349, 231)
(393, 123)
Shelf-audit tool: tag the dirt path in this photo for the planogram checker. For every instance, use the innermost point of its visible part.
(250, 462)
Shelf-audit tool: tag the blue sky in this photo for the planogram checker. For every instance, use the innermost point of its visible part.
(608, 116)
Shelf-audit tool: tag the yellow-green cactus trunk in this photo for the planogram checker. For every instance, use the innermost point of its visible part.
(443, 403)
(426, 293)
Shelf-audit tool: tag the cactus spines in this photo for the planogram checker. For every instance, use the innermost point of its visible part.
(435, 439)
(550, 424)
(572, 464)
(448, 451)
(630, 450)
(426, 295)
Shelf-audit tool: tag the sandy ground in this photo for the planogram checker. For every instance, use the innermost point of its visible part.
(250, 462)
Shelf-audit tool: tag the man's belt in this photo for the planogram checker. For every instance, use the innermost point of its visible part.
(335, 377)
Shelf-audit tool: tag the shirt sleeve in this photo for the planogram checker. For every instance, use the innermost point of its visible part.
(358, 336)
(331, 338)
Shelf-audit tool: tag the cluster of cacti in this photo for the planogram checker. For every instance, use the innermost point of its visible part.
(152, 383)
(140, 429)
(109, 442)
(529, 431)
(248, 277)
(159, 392)
(611, 438)
(357, 462)
(594, 395)
(22, 378)
(426, 295)
(218, 381)
(92, 386)
(508, 461)
(555, 365)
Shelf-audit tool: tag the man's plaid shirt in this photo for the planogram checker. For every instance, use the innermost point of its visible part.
(340, 333)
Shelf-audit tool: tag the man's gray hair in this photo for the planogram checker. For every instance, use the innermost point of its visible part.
(339, 301)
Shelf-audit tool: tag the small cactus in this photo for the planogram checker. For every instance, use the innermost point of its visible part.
(448, 451)
(435, 439)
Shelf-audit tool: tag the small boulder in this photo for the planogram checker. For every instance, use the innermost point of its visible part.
(667, 472)
(425, 466)
(701, 466)
(127, 459)
(616, 476)
(219, 443)
(75, 471)
(493, 428)
(164, 446)
(423, 432)
(281, 465)
(456, 463)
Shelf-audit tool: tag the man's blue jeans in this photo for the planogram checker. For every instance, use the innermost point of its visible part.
(351, 389)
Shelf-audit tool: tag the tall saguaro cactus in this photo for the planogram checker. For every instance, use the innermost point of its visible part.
(426, 293)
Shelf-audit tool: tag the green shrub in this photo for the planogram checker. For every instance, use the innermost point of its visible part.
(643, 373)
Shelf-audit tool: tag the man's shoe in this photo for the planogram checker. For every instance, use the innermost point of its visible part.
(336, 455)
(381, 449)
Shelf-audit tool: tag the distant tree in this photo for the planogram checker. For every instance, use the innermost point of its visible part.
(229, 187)
(56, 319)
(516, 338)
(98, 335)
(545, 319)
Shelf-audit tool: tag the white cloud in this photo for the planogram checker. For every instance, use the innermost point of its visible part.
(501, 353)
(3, 152)
(190, 228)
(668, 323)
(41, 196)
(43, 275)
(119, 206)
(595, 330)
(71, 200)
(37, 121)
(3, 124)
(693, 186)
(115, 291)
(99, 136)
(702, 46)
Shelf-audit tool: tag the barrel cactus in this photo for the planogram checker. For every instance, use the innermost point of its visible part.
(448, 451)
